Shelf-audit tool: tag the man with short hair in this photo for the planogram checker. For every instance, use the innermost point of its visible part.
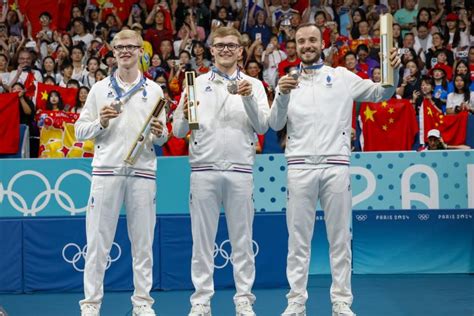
(423, 38)
(317, 110)
(234, 107)
(291, 60)
(406, 16)
(24, 74)
(114, 114)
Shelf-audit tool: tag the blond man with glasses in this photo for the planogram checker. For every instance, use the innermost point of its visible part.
(115, 111)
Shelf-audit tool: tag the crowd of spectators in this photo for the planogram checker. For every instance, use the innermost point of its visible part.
(435, 38)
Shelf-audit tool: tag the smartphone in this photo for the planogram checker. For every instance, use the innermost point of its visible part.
(258, 37)
(406, 73)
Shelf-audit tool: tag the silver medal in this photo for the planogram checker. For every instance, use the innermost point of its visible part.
(232, 86)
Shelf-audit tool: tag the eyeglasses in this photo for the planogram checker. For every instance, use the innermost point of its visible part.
(128, 48)
(222, 46)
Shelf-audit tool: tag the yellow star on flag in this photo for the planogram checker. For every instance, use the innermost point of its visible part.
(384, 104)
(391, 121)
(430, 112)
(385, 127)
(391, 110)
(369, 114)
(44, 95)
(13, 7)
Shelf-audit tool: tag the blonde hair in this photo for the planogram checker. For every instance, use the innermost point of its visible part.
(226, 31)
(127, 34)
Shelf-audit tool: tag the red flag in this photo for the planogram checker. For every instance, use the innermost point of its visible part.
(123, 7)
(453, 127)
(33, 8)
(9, 123)
(30, 85)
(67, 94)
(388, 125)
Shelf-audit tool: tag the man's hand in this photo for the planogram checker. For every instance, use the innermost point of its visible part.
(287, 83)
(156, 127)
(244, 88)
(106, 114)
(185, 108)
(395, 60)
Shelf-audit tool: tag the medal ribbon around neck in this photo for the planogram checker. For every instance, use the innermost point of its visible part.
(225, 76)
(133, 90)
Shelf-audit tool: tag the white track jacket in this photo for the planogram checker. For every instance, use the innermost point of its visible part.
(113, 143)
(318, 114)
(227, 124)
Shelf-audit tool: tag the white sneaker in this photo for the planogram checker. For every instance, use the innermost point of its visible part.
(89, 310)
(200, 310)
(143, 310)
(244, 309)
(341, 309)
(295, 309)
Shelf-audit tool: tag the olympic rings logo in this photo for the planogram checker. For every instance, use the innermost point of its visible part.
(423, 217)
(361, 218)
(40, 202)
(79, 254)
(223, 253)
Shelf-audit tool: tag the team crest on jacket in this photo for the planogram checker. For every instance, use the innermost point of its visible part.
(110, 94)
(208, 89)
(328, 81)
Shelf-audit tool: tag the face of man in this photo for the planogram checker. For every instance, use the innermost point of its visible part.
(408, 41)
(422, 32)
(291, 49)
(350, 62)
(308, 44)
(226, 51)
(24, 59)
(127, 52)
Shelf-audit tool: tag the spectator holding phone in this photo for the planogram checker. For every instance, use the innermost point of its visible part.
(24, 74)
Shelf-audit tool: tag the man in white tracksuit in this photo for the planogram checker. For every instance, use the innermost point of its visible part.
(115, 129)
(317, 109)
(222, 154)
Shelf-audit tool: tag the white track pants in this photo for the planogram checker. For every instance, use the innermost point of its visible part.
(209, 191)
(107, 196)
(332, 187)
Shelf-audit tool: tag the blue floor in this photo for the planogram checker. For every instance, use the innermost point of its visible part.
(375, 295)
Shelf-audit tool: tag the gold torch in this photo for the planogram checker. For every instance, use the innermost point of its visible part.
(386, 44)
(138, 145)
(190, 78)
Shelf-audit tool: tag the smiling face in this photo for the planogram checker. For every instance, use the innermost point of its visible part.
(226, 50)
(127, 52)
(309, 44)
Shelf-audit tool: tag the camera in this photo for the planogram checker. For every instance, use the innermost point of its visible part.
(286, 22)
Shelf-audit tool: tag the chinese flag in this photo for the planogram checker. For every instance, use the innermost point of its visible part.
(388, 125)
(123, 7)
(9, 123)
(453, 127)
(67, 94)
(33, 8)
